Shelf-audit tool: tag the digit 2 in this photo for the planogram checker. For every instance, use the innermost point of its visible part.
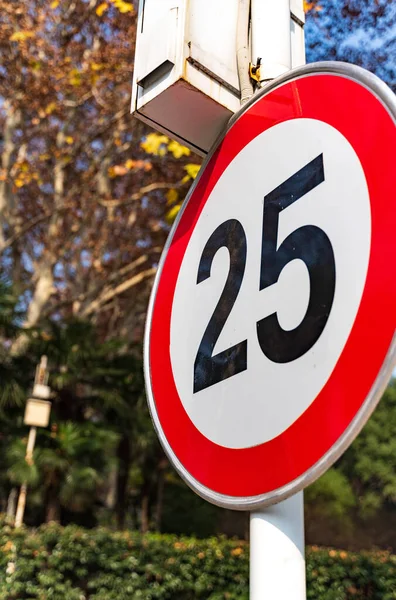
(209, 369)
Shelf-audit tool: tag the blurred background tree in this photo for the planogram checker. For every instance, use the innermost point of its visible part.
(354, 31)
(83, 185)
(87, 196)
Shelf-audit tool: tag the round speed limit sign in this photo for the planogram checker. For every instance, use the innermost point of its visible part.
(270, 333)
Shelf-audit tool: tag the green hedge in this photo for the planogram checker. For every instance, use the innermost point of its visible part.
(55, 563)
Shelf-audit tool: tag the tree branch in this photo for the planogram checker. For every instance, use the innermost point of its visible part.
(14, 238)
(138, 195)
(119, 289)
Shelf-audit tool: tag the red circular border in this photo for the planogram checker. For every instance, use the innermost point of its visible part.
(363, 120)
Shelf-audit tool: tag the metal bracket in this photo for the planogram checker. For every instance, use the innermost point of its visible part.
(254, 70)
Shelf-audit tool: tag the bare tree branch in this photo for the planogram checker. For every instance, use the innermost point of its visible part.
(152, 187)
(23, 230)
(120, 289)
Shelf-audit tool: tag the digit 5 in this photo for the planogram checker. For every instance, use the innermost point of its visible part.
(309, 244)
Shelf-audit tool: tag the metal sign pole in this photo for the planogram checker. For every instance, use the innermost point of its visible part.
(23, 493)
(277, 560)
(277, 555)
(271, 39)
(39, 381)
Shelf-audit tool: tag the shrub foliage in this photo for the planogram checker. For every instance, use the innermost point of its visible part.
(54, 563)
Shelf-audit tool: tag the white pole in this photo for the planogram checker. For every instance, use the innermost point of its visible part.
(271, 37)
(277, 557)
(40, 378)
(23, 493)
(30, 445)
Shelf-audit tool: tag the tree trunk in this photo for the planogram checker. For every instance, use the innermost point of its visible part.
(144, 515)
(43, 273)
(11, 504)
(12, 120)
(160, 499)
(247, 527)
(124, 462)
(111, 492)
(52, 509)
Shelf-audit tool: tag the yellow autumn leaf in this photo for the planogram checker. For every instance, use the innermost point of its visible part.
(172, 213)
(308, 6)
(75, 77)
(172, 196)
(69, 139)
(192, 170)
(21, 36)
(35, 65)
(96, 66)
(102, 8)
(54, 4)
(155, 143)
(178, 150)
(122, 6)
(50, 108)
(130, 164)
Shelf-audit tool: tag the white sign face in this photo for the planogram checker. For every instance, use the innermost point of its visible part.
(258, 403)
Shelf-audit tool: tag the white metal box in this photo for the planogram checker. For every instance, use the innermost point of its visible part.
(37, 413)
(185, 81)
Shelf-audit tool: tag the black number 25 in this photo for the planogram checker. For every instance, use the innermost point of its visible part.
(308, 243)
